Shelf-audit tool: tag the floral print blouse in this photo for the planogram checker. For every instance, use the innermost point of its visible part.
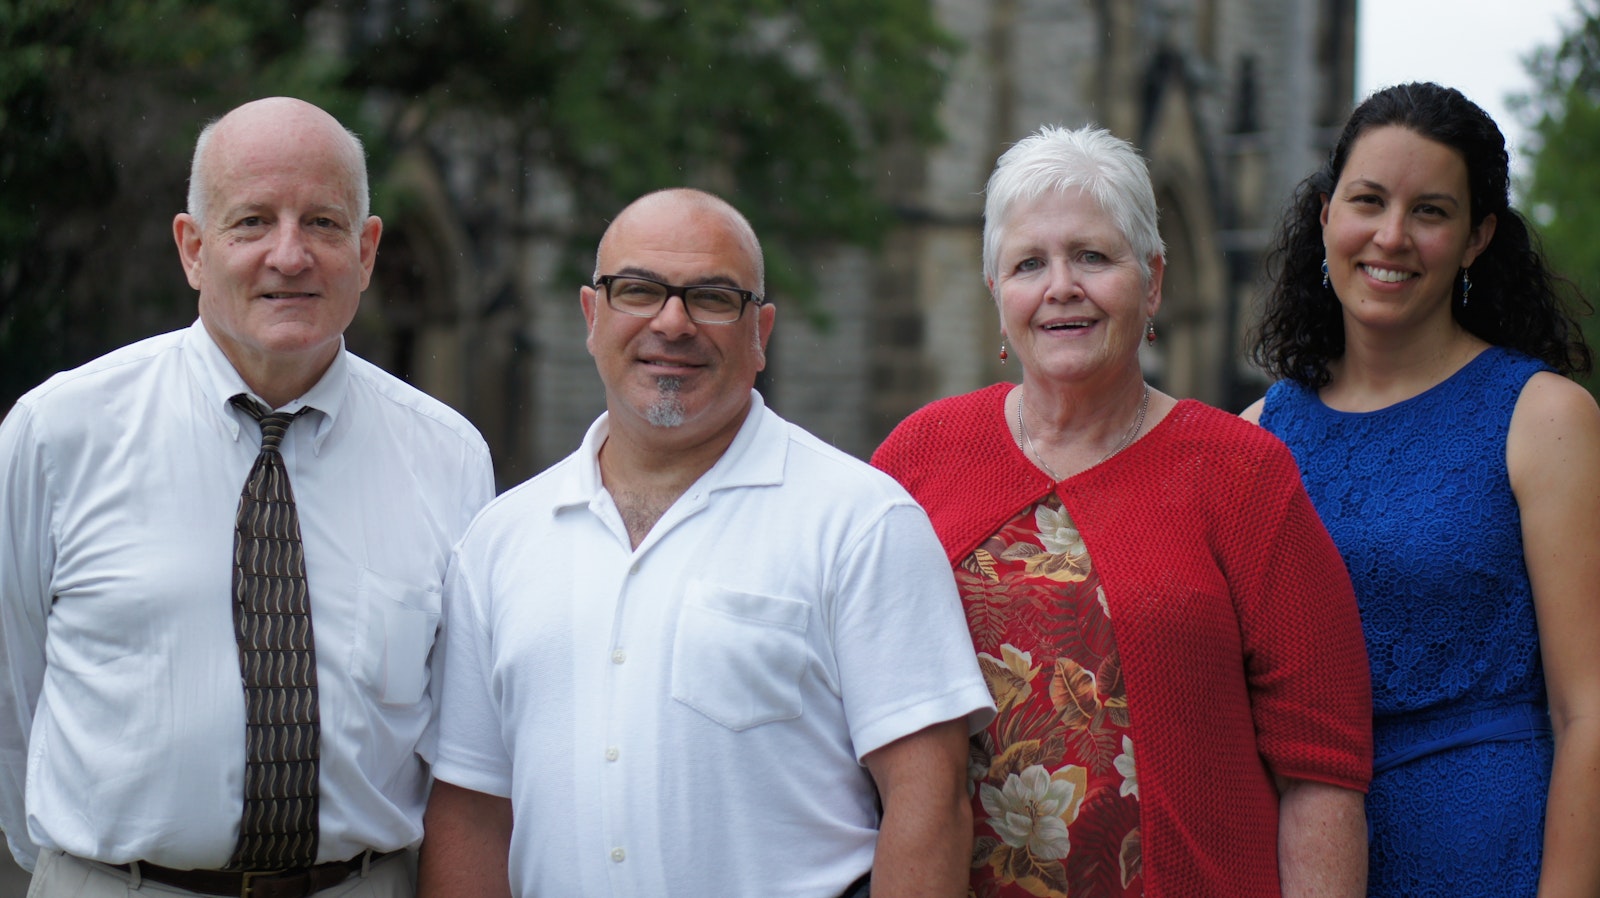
(1054, 783)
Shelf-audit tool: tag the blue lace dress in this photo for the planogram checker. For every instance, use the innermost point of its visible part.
(1419, 501)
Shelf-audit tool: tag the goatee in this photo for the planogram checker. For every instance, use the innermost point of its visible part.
(667, 410)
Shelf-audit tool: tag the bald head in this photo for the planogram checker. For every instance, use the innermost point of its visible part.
(686, 201)
(269, 126)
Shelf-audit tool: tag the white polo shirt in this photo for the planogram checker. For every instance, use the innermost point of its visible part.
(688, 718)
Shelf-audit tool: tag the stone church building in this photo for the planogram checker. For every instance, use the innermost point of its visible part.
(1231, 101)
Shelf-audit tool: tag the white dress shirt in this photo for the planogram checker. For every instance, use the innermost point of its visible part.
(120, 696)
(688, 718)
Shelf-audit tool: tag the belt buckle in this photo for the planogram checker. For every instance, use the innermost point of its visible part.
(247, 880)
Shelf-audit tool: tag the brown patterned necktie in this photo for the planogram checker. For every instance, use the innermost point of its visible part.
(277, 661)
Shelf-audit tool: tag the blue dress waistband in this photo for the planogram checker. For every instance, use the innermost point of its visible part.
(1518, 723)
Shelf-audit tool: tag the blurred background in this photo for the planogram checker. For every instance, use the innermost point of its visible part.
(855, 134)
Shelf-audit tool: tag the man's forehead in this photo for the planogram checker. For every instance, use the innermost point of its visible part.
(282, 139)
(704, 246)
(310, 181)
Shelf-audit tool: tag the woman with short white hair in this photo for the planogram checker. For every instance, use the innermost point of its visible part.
(1167, 630)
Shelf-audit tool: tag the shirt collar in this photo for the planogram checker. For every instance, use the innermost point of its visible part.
(757, 454)
(755, 458)
(219, 381)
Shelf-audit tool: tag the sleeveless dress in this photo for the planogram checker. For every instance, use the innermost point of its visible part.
(1418, 499)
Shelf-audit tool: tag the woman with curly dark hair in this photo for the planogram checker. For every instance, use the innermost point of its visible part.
(1421, 341)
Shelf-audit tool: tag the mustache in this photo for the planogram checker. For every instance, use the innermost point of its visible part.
(686, 353)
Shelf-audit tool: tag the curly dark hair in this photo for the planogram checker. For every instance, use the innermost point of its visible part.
(1517, 301)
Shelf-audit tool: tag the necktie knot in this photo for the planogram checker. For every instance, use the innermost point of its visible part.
(273, 424)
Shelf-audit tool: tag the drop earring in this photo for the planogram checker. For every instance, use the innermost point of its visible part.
(1324, 274)
(1466, 287)
(1003, 354)
(1150, 331)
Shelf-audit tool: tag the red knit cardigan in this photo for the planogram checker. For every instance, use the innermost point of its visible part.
(1232, 611)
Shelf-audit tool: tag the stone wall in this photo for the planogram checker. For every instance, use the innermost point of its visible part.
(1232, 101)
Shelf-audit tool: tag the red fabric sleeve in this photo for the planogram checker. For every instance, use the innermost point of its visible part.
(1305, 657)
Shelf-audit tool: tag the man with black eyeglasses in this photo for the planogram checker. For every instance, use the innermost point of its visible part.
(706, 654)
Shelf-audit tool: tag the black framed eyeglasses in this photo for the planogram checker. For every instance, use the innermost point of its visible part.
(645, 297)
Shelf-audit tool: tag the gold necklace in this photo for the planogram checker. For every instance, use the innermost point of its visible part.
(1125, 442)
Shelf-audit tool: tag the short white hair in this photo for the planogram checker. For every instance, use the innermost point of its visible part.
(1055, 159)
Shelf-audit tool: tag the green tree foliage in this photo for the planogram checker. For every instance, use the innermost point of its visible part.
(1563, 190)
(788, 109)
(780, 106)
(99, 103)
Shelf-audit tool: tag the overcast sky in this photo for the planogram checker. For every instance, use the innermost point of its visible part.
(1475, 46)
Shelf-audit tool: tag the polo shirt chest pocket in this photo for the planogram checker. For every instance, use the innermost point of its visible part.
(738, 657)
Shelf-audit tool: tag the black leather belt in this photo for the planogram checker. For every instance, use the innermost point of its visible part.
(293, 883)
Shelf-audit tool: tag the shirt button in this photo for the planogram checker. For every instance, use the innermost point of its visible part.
(618, 656)
(612, 754)
(633, 568)
(618, 855)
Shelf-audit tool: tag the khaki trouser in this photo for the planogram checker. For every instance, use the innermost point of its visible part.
(60, 875)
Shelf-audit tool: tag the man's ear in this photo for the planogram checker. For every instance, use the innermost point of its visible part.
(371, 232)
(187, 233)
(587, 297)
(766, 316)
